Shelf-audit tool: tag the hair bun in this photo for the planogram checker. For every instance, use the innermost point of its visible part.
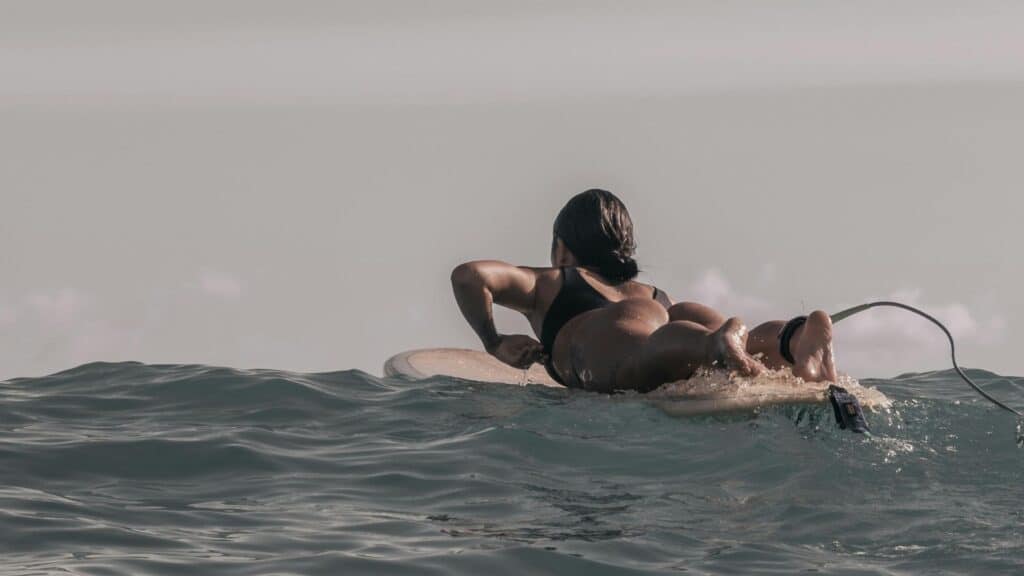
(629, 268)
(618, 267)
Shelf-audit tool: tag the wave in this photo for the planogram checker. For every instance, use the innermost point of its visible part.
(127, 468)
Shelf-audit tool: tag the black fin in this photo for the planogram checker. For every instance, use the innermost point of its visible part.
(847, 410)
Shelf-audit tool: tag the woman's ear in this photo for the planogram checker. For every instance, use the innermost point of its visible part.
(560, 254)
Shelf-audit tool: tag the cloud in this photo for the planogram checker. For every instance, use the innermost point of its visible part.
(883, 341)
(900, 328)
(58, 307)
(875, 342)
(53, 329)
(7, 316)
(713, 289)
(220, 285)
(56, 328)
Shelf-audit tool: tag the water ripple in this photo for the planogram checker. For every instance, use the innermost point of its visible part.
(129, 468)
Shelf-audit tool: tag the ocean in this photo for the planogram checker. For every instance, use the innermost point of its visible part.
(133, 469)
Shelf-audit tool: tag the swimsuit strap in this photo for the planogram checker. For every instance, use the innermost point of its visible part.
(786, 335)
(575, 297)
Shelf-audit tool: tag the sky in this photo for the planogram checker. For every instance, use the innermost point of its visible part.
(288, 184)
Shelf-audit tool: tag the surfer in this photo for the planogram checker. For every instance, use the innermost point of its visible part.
(600, 329)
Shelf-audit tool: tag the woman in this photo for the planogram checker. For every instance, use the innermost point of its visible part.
(600, 329)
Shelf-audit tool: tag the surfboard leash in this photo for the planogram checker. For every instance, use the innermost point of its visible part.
(952, 345)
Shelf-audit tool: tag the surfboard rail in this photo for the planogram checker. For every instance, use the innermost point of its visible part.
(463, 363)
(710, 393)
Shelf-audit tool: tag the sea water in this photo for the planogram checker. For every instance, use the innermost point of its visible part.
(138, 469)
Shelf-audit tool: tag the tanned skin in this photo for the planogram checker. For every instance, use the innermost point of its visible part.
(636, 342)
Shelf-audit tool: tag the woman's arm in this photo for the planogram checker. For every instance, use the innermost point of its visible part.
(480, 284)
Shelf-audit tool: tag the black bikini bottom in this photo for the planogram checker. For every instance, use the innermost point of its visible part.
(550, 367)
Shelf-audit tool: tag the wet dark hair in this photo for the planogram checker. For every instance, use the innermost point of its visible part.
(595, 226)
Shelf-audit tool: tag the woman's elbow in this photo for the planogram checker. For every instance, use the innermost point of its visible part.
(466, 274)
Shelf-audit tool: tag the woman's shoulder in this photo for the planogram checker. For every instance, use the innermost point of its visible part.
(647, 289)
(546, 274)
(630, 288)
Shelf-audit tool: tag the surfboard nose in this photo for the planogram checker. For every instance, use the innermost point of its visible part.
(462, 363)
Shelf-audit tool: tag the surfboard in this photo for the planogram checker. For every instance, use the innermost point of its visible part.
(706, 393)
(475, 365)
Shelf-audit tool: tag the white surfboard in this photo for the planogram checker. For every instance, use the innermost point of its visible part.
(710, 393)
(465, 364)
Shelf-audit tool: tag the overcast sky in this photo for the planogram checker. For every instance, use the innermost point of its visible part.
(288, 184)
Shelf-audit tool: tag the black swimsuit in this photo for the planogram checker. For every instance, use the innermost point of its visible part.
(575, 297)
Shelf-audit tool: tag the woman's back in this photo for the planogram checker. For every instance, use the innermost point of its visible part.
(550, 283)
(566, 292)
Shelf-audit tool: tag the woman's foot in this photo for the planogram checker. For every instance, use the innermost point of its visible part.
(811, 347)
(728, 349)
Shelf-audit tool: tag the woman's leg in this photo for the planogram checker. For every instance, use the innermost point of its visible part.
(811, 344)
(699, 313)
(633, 344)
(669, 353)
(810, 347)
(764, 341)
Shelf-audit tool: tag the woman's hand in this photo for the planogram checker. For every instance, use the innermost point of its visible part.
(517, 350)
(479, 284)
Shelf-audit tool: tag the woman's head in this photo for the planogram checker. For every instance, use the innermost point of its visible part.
(595, 226)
